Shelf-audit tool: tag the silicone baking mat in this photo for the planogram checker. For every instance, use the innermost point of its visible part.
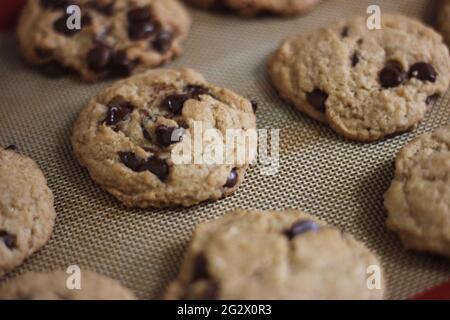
(340, 181)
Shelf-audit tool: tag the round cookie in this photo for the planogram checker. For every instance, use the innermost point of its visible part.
(255, 7)
(273, 255)
(443, 19)
(366, 84)
(117, 37)
(53, 286)
(27, 214)
(130, 138)
(418, 200)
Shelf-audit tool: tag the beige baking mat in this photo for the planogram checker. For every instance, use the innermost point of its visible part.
(340, 181)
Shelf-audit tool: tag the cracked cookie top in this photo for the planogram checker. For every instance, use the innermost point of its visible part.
(134, 138)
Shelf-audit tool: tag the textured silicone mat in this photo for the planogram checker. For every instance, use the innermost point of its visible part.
(340, 181)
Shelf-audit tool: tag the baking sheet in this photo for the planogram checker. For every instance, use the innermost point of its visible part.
(340, 181)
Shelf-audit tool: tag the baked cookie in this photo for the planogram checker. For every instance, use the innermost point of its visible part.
(144, 139)
(255, 7)
(273, 255)
(27, 214)
(366, 84)
(418, 200)
(443, 19)
(116, 38)
(53, 286)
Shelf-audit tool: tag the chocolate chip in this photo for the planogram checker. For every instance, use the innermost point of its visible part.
(99, 57)
(344, 32)
(153, 164)
(8, 239)
(175, 102)
(121, 65)
(196, 90)
(130, 160)
(55, 4)
(391, 75)
(118, 110)
(432, 99)
(232, 179)
(200, 268)
(317, 98)
(60, 26)
(139, 14)
(140, 30)
(11, 147)
(355, 58)
(86, 20)
(423, 71)
(301, 227)
(53, 69)
(146, 134)
(168, 135)
(254, 105)
(156, 166)
(162, 41)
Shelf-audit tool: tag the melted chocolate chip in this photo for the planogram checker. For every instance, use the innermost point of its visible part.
(391, 75)
(118, 110)
(196, 90)
(355, 58)
(168, 135)
(317, 98)
(99, 57)
(140, 30)
(156, 166)
(344, 32)
(301, 227)
(8, 239)
(121, 65)
(200, 268)
(175, 102)
(146, 134)
(423, 71)
(53, 69)
(139, 14)
(153, 164)
(162, 41)
(86, 20)
(232, 179)
(60, 26)
(130, 160)
(11, 147)
(432, 99)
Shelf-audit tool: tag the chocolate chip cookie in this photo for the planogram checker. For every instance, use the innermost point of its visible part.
(27, 214)
(443, 19)
(418, 200)
(53, 286)
(116, 37)
(145, 141)
(273, 255)
(366, 84)
(256, 7)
